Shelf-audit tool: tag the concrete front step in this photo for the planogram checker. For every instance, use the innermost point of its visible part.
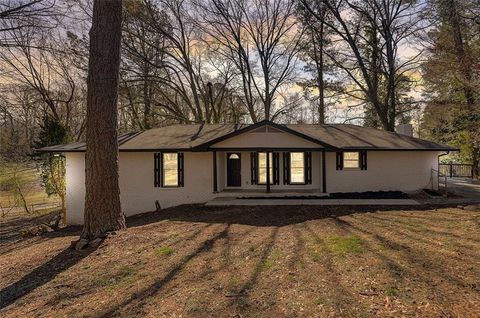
(227, 201)
(273, 194)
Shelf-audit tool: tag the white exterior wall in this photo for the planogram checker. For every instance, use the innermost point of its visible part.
(386, 170)
(137, 191)
(75, 186)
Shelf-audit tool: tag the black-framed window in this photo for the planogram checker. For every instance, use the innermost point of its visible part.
(258, 167)
(262, 167)
(297, 168)
(168, 169)
(351, 160)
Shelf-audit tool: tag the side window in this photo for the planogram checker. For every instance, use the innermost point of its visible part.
(168, 169)
(351, 160)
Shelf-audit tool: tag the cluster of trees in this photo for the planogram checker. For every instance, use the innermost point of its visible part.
(154, 62)
(374, 62)
(451, 72)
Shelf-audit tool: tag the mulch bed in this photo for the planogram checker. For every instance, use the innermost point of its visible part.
(338, 195)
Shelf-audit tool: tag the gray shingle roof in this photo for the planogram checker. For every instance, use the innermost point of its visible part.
(198, 137)
(346, 136)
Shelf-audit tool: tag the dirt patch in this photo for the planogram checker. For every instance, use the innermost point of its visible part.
(195, 261)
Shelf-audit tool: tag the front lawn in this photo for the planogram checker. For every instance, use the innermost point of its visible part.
(195, 261)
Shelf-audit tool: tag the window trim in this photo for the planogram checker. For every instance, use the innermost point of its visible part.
(272, 166)
(362, 160)
(304, 168)
(159, 173)
(307, 168)
(163, 170)
(359, 161)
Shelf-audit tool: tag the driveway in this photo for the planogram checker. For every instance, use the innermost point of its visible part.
(465, 187)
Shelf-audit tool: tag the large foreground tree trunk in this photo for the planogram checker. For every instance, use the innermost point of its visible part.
(102, 198)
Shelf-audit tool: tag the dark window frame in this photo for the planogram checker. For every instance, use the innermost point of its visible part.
(307, 168)
(274, 165)
(304, 168)
(359, 161)
(159, 177)
(362, 160)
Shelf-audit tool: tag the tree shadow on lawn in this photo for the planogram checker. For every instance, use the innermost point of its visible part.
(425, 267)
(425, 235)
(137, 301)
(264, 216)
(342, 298)
(41, 275)
(267, 251)
(152, 289)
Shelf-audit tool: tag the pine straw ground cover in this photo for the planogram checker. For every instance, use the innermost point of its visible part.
(194, 261)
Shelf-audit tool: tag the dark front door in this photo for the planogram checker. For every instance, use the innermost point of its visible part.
(234, 175)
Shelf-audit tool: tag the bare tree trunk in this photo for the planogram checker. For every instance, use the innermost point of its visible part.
(20, 192)
(102, 198)
(319, 62)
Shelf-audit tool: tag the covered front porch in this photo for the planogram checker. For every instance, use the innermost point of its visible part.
(291, 172)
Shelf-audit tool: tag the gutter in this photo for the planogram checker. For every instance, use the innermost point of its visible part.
(441, 155)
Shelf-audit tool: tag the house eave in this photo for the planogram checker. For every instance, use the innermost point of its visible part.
(210, 149)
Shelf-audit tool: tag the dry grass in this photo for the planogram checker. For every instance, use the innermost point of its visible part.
(29, 180)
(254, 262)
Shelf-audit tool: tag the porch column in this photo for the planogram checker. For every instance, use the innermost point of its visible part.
(268, 171)
(324, 173)
(215, 186)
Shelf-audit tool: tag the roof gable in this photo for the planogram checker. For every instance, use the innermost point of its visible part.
(265, 137)
(268, 125)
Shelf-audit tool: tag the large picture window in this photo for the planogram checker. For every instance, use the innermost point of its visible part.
(351, 160)
(262, 167)
(297, 167)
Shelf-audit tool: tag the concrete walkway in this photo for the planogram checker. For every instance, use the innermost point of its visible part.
(228, 201)
(466, 188)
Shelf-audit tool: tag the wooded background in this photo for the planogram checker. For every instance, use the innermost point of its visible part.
(377, 63)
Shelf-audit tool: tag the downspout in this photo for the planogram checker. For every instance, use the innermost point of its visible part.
(438, 171)
(438, 159)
